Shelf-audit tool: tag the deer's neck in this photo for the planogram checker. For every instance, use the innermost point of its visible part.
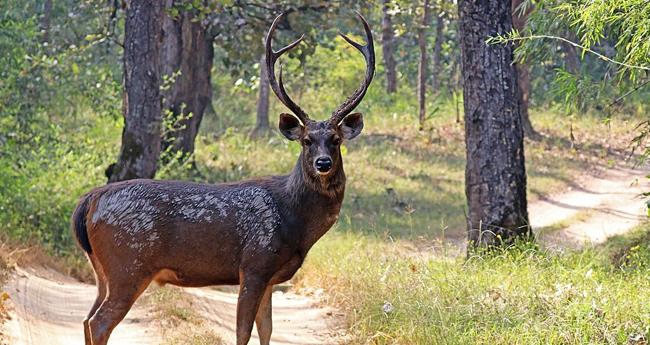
(303, 184)
(315, 200)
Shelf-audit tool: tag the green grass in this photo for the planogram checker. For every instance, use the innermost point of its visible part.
(520, 296)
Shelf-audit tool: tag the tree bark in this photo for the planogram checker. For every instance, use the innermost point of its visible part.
(422, 66)
(495, 174)
(388, 48)
(519, 20)
(142, 118)
(186, 57)
(571, 60)
(262, 119)
(437, 49)
(44, 22)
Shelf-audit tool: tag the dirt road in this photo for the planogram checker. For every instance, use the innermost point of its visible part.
(597, 207)
(48, 308)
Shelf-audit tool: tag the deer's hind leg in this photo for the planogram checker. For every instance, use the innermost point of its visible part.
(100, 280)
(122, 292)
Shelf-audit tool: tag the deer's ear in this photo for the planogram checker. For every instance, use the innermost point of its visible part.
(351, 125)
(290, 126)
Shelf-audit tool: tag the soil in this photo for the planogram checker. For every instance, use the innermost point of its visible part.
(47, 307)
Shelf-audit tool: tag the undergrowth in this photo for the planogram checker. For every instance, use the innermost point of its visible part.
(520, 296)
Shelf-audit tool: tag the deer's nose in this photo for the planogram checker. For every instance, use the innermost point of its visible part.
(323, 164)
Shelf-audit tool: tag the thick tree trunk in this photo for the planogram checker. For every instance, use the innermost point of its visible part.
(437, 49)
(262, 119)
(142, 117)
(388, 49)
(186, 58)
(495, 174)
(422, 66)
(519, 20)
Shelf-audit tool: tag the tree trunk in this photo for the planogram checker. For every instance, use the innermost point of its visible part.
(186, 58)
(262, 118)
(523, 81)
(571, 60)
(437, 48)
(495, 174)
(142, 117)
(422, 66)
(519, 20)
(44, 22)
(388, 49)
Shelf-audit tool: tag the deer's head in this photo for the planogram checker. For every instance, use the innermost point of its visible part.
(320, 140)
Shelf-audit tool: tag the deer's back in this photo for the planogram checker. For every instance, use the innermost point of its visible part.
(191, 229)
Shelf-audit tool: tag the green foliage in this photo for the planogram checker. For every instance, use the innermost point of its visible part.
(52, 147)
(626, 22)
(41, 186)
(612, 39)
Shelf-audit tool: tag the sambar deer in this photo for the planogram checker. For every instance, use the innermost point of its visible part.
(254, 233)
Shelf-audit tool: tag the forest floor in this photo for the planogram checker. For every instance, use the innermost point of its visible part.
(46, 307)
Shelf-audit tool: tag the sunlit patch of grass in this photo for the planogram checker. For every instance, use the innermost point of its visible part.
(576, 218)
(520, 296)
(409, 184)
(194, 336)
(171, 305)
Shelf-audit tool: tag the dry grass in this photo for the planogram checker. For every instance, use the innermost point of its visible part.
(176, 318)
(4, 275)
(33, 254)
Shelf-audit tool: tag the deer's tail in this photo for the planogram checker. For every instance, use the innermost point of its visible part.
(79, 224)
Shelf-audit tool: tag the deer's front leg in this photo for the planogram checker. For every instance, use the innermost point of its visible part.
(263, 319)
(251, 291)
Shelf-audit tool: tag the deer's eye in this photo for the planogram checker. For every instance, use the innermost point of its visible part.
(336, 141)
(306, 142)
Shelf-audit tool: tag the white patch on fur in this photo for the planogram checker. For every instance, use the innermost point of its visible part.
(127, 208)
(135, 209)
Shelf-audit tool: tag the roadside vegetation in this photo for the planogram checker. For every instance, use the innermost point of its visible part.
(524, 295)
(4, 275)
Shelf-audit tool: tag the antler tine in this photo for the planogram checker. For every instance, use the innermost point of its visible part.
(271, 57)
(368, 52)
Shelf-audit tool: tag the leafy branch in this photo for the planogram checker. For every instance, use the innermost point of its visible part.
(514, 36)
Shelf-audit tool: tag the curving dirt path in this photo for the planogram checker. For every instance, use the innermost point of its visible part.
(599, 206)
(47, 307)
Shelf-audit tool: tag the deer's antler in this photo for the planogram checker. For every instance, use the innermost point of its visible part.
(271, 57)
(368, 52)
